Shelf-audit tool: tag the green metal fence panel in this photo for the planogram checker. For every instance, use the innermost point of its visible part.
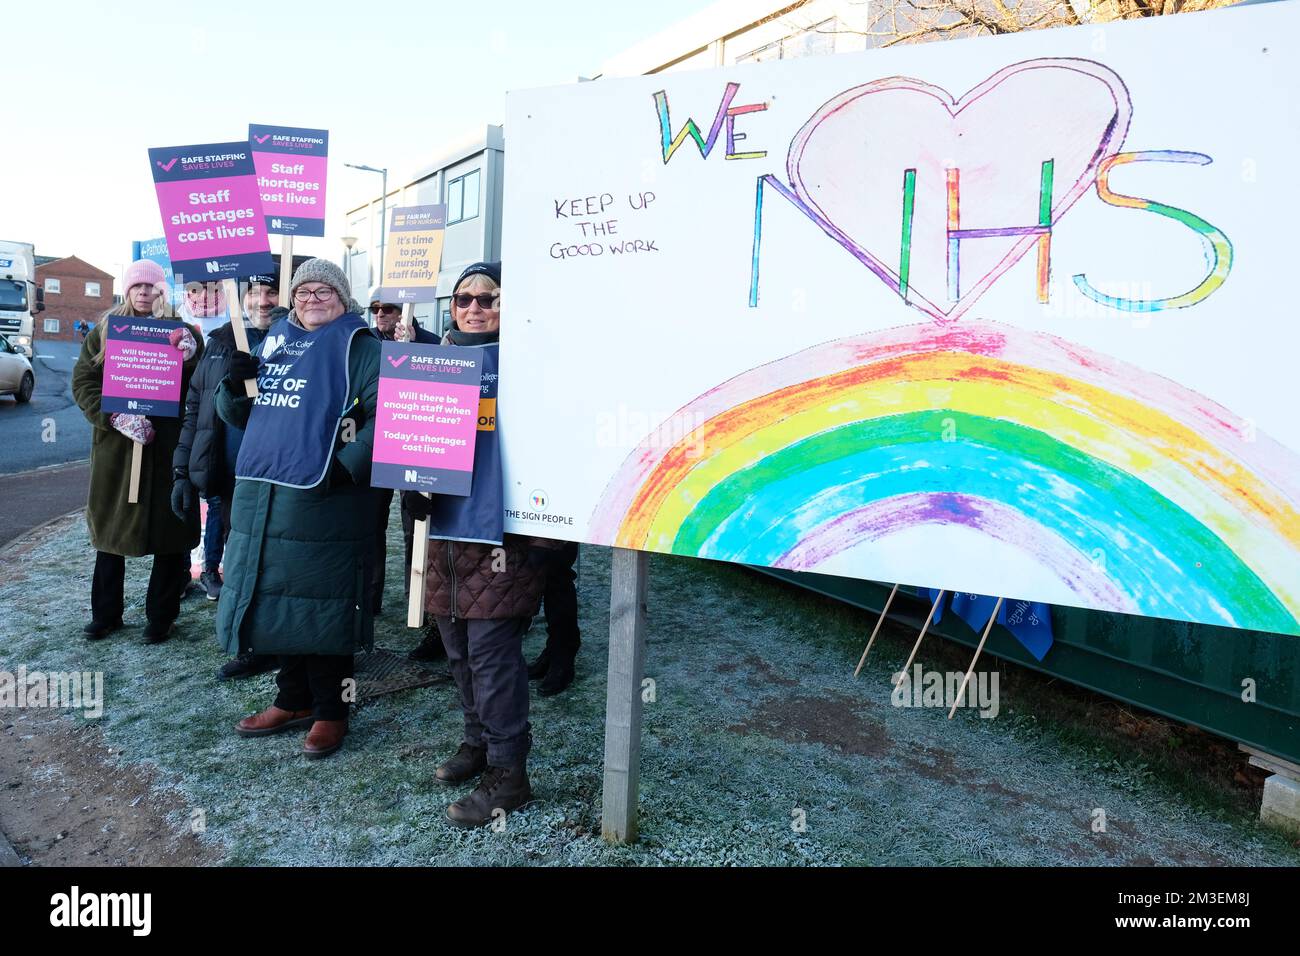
(1194, 673)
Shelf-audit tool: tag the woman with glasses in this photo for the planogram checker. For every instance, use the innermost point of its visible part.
(302, 516)
(483, 587)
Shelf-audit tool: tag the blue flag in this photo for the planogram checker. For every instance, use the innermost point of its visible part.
(974, 609)
(1029, 622)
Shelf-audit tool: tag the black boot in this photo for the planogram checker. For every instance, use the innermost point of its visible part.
(558, 676)
(537, 669)
(429, 649)
(98, 630)
(156, 632)
(247, 664)
(469, 762)
(501, 788)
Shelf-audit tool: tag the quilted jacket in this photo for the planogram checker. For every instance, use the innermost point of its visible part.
(471, 580)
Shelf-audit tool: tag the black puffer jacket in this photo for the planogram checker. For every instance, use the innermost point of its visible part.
(201, 448)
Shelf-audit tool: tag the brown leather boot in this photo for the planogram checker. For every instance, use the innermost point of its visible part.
(325, 737)
(273, 720)
(468, 762)
(501, 788)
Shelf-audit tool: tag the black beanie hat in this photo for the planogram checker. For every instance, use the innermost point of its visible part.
(490, 269)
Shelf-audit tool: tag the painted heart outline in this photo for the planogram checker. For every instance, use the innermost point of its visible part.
(831, 158)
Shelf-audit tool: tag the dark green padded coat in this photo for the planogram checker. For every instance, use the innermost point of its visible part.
(117, 527)
(296, 562)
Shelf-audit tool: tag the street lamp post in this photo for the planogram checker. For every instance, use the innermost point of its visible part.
(348, 243)
(383, 214)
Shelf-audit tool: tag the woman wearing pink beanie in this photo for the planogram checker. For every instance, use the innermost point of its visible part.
(119, 529)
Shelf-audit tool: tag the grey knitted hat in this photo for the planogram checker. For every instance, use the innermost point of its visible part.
(324, 271)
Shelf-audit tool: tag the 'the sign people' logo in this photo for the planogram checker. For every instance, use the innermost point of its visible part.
(538, 499)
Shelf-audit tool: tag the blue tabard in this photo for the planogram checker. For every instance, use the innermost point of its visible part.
(479, 516)
(302, 385)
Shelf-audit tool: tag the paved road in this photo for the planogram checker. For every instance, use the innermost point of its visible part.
(31, 498)
(42, 478)
(26, 430)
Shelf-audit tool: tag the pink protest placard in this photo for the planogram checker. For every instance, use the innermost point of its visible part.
(291, 164)
(211, 211)
(427, 419)
(142, 368)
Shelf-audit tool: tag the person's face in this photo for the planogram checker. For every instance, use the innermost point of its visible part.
(205, 300)
(473, 317)
(385, 316)
(259, 301)
(142, 296)
(317, 304)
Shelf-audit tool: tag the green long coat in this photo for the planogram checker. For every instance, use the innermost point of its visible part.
(297, 559)
(149, 526)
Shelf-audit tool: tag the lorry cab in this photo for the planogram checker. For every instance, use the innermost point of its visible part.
(20, 298)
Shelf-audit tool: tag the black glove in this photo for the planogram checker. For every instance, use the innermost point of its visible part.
(417, 505)
(242, 366)
(183, 498)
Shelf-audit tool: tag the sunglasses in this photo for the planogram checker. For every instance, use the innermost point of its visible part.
(488, 300)
(385, 309)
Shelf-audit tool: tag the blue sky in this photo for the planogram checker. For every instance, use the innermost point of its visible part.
(91, 85)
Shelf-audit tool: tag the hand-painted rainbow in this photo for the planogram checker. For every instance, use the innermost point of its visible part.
(1064, 453)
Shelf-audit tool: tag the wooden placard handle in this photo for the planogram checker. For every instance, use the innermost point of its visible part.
(934, 608)
(137, 459)
(883, 614)
(236, 309)
(286, 270)
(961, 691)
(408, 318)
(419, 562)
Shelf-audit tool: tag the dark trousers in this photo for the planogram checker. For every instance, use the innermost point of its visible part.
(315, 682)
(214, 534)
(383, 506)
(379, 550)
(487, 662)
(408, 537)
(167, 581)
(560, 600)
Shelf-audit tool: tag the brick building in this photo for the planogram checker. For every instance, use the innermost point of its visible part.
(74, 290)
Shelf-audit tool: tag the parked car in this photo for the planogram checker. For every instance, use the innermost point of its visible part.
(16, 375)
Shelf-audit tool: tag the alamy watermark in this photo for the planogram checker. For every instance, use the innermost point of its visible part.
(924, 688)
(79, 690)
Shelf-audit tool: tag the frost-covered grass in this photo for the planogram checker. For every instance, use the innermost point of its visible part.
(757, 725)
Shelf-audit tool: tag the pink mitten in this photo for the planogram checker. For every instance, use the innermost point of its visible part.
(135, 427)
(183, 339)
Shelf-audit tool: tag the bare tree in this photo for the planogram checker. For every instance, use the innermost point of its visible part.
(892, 22)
